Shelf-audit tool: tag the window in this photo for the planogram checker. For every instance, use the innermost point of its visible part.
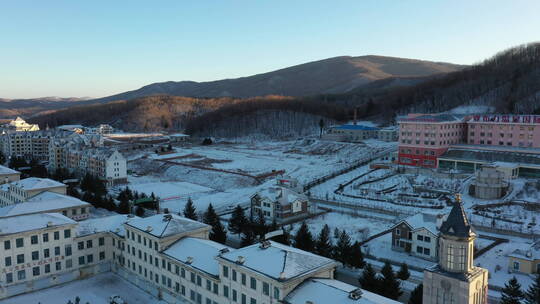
(101, 241)
(252, 301)
(427, 251)
(266, 289)
(226, 271)
(89, 244)
(253, 283)
(21, 275)
(226, 291)
(33, 239)
(516, 265)
(192, 277)
(243, 279)
(35, 271)
(208, 285)
(67, 233)
(216, 288)
(56, 235)
(45, 237)
(427, 239)
(35, 255)
(57, 250)
(47, 268)
(102, 255)
(7, 245)
(69, 263)
(46, 253)
(182, 272)
(276, 293)
(9, 277)
(234, 295)
(58, 265)
(20, 258)
(7, 261)
(199, 280)
(19, 242)
(80, 245)
(81, 260)
(244, 299)
(234, 275)
(68, 249)
(398, 232)
(419, 249)
(420, 237)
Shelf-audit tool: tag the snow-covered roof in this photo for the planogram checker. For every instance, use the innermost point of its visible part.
(282, 195)
(356, 128)
(16, 224)
(36, 183)
(42, 203)
(113, 223)
(178, 135)
(332, 291)
(434, 118)
(163, 225)
(201, 252)
(279, 261)
(5, 170)
(425, 220)
(529, 252)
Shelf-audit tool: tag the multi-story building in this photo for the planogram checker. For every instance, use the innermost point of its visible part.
(167, 255)
(455, 279)
(49, 202)
(504, 130)
(418, 235)
(525, 259)
(279, 204)
(424, 137)
(20, 125)
(25, 189)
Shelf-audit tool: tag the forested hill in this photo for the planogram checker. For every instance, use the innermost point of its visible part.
(509, 82)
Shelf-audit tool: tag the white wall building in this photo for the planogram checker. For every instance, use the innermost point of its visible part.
(22, 190)
(8, 175)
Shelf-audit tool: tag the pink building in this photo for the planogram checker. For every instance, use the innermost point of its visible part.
(424, 137)
(504, 130)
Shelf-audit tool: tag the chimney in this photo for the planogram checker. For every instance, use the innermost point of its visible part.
(240, 260)
(223, 251)
(265, 244)
(189, 260)
(282, 275)
(355, 294)
(149, 228)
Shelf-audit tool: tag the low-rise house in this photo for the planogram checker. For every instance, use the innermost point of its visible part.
(350, 133)
(8, 175)
(418, 235)
(387, 134)
(526, 259)
(279, 204)
(24, 189)
(49, 202)
(178, 137)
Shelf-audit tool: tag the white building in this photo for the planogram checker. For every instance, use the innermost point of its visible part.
(418, 235)
(22, 190)
(279, 204)
(167, 255)
(20, 125)
(49, 202)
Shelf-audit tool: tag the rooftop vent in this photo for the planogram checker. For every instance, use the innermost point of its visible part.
(189, 260)
(167, 217)
(223, 251)
(49, 224)
(355, 294)
(240, 260)
(282, 275)
(149, 228)
(265, 244)
(117, 230)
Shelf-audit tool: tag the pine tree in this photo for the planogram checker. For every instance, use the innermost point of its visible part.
(390, 286)
(123, 207)
(369, 280)
(189, 210)
(238, 222)
(210, 216)
(248, 238)
(323, 245)
(260, 225)
(416, 295)
(343, 249)
(303, 238)
(511, 293)
(284, 238)
(532, 296)
(403, 273)
(218, 232)
(357, 258)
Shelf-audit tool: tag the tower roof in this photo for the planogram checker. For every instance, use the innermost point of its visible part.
(457, 223)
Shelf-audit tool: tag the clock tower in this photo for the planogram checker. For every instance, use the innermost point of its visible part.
(455, 279)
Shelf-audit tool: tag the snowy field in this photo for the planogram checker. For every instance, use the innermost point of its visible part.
(95, 290)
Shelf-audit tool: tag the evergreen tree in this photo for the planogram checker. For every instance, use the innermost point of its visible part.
(139, 211)
(416, 295)
(303, 238)
(532, 296)
(323, 245)
(2, 158)
(357, 258)
(260, 225)
(369, 280)
(218, 232)
(390, 285)
(403, 273)
(238, 222)
(511, 293)
(123, 206)
(210, 216)
(284, 238)
(248, 238)
(343, 249)
(189, 210)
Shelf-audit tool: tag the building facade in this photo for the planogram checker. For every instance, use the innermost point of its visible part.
(455, 279)
(23, 190)
(279, 204)
(525, 260)
(418, 235)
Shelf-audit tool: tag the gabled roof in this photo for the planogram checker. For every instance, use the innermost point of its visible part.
(457, 223)
(42, 203)
(422, 220)
(36, 183)
(6, 170)
(163, 225)
(327, 291)
(113, 223)
(16, 224)
(278, 261)
(202, 253)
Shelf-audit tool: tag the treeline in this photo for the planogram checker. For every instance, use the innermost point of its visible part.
(508, 82)
(271, 117)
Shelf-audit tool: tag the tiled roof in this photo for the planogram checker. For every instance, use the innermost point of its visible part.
(457, 223)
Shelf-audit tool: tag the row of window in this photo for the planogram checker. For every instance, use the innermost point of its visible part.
(36, 271)
(252, 281)
(34, 239)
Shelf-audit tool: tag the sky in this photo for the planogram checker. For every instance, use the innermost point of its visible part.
(99, 48)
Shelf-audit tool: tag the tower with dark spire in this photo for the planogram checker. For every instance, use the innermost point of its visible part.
(455, 279)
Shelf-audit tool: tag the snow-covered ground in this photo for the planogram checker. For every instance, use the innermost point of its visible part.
(95, 290)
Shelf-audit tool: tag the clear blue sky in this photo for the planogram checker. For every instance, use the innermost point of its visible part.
(98, 48)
